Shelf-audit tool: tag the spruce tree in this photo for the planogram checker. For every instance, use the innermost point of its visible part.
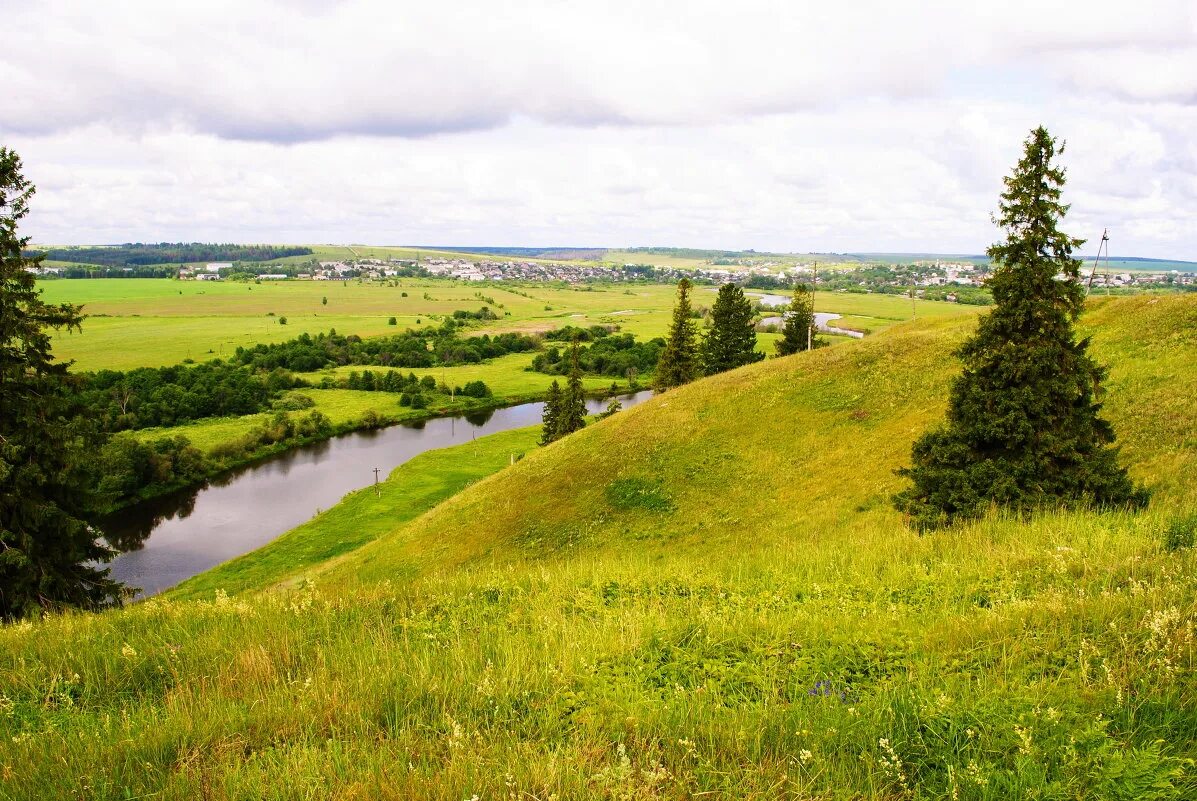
(1022, 425)
(551, 418)
(731, 342)
(798, 333)
(679, 362)
(47, 551)
(573, 400)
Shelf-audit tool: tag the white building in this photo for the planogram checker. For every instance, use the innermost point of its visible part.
(217, 266)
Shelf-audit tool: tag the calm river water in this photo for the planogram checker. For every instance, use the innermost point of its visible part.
(171, 538)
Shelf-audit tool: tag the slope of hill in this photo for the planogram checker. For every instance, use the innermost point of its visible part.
(705, 596)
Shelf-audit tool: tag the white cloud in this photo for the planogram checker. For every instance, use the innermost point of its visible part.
(862, 126)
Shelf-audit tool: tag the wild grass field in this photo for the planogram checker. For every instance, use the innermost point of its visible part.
(704, 596)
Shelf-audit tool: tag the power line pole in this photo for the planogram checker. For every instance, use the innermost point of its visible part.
(377, 490)
(1105, 243)
(814, 287)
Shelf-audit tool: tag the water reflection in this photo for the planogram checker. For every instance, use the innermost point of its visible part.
(168, 539)
(479, 417)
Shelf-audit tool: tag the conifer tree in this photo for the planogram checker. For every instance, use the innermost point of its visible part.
(731, 342)
(47, 551)
(798, 333)
(679, 363)
(573, 400)
(551, 418)
(1022, 426)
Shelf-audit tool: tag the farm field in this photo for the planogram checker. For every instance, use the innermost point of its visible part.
(156, 322)
(675, 602)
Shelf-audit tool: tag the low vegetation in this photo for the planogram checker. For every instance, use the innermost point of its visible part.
(641, 611)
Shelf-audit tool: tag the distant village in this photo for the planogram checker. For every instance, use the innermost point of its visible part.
(942, 279)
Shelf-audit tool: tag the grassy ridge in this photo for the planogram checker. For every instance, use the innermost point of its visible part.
(707, 594)
(411, 489)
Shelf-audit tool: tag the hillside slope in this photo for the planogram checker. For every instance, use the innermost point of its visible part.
(793, 453)
(705, 596)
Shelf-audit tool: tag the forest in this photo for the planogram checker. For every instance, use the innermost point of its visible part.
(134, 254)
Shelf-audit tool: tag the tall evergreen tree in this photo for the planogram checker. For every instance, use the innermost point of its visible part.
(798, 333)
(731, 342)
(551, 418)
(573, 400)
(679, 363)
(1022, 425)
(47, 551)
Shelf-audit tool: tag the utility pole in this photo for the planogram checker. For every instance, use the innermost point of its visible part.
(814, 287)
(377, 491)
(1105, 243)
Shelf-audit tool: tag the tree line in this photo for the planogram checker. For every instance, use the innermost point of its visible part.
(437, 347)
(133, 254)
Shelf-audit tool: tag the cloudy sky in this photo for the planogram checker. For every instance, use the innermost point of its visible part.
(795, 126)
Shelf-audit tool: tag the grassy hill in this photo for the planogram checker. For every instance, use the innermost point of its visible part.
(704, 596)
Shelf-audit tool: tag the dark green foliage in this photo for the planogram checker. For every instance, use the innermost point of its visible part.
(678, 363)
(282, 321)
(130, 468)
(130, 255)
(551, 417)
(573, 399)
(47, 551)
(798, 334)
(1022, 426)
(476, 389)
(1181, 533)
(426, 348)
(485, 313)
(392, 321)
(610, 354)
(731, 342)
(170, 396)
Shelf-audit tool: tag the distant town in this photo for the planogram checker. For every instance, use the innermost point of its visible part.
(951, 281)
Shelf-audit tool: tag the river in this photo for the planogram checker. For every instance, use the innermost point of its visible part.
(168, 539)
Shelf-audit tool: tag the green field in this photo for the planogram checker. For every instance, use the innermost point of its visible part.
(154, 322)
(705, 596)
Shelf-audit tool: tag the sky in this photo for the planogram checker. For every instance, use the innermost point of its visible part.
(779, 126)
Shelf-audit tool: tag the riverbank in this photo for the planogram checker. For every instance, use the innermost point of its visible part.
(363, 515)
(169, 539)
(348, 411)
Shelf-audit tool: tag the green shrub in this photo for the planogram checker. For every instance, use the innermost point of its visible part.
(293, 403)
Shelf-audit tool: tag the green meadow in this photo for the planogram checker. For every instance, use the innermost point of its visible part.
(705, 596)
(154, 322)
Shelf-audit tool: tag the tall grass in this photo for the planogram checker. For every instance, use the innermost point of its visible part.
(769, 630)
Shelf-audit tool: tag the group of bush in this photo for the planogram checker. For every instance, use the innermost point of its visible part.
(436, 347)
